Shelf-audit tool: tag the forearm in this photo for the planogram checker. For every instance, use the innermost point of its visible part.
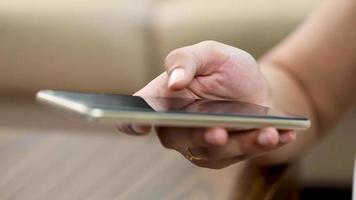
(288, 95)
(313, 73)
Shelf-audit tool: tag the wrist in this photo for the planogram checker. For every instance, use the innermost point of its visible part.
(287, 95)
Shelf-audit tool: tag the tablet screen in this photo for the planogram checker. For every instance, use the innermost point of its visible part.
(116, 102)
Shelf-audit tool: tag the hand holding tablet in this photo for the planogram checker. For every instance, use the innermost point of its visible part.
(193, 107)
(183, 121)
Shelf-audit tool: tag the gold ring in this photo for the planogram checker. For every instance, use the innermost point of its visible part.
(190, 156)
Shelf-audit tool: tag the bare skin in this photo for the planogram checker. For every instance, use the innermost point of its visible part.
(313, 70)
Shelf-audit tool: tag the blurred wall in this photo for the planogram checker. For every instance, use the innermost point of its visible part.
(119, 45)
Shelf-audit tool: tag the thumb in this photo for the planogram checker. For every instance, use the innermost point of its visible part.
(201, 59)
(181, 66)
(178, 78)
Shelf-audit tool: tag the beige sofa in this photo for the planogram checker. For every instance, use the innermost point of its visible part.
(118, 45)
(113, 46)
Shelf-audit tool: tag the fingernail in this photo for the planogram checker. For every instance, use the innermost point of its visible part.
(286, 138)
(176, 75)
(264, 139)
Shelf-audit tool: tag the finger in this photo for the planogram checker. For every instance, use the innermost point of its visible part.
(181, 68)
(134, 129)
(215, 164)
(183, 138)
(219, 164)
(265, 137)
(287, 136)
(240, 144)
(185, 63)
(216, 136)
(180, 138)
(158, 88)
(154, 87)
(268, 137)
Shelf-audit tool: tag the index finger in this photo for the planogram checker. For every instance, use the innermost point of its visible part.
(185, 63)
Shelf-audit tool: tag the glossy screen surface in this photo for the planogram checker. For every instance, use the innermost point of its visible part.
(115, 102)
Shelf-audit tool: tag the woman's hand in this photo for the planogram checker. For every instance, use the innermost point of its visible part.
(213, 70)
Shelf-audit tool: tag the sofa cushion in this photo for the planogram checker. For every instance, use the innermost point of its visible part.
(78, 45)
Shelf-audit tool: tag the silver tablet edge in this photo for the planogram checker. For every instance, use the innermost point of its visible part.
(169, 119)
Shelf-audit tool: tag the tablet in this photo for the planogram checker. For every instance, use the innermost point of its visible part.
(171, 111)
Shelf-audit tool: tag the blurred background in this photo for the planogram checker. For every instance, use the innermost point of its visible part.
(117, 46)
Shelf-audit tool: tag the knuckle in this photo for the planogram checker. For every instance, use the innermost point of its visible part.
(169, 57)
(174, 55)
(211, 86)
(210, 43)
